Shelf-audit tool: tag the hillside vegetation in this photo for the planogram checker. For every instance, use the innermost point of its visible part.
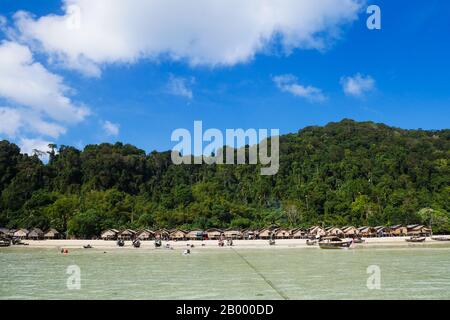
(345, 173)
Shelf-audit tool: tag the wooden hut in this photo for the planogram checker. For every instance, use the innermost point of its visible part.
(110, 234)
(52, 234)
(418, 230)
(162, 234)
(21, 233)
(334, 232)
(36, 234)
(145, 235)
(316, 231)
(382, 231)
(195, 235)
(214, 233)
(4, 232)
(350, 231)
(127, 234)
(282, 233)
(398, 230)
(298, 233)
(250, 234)
(268, 232)
(234, 234)
(367, 232)
(178, 235)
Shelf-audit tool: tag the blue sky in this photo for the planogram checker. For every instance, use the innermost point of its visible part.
(405, 67)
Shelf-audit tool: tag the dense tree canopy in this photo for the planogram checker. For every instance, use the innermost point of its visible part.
(343, 173)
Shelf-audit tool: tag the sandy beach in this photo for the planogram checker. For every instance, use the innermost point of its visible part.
(241, 244)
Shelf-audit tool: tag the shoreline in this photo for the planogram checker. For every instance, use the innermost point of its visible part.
(213, 244)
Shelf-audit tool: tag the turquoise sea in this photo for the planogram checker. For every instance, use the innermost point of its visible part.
(292, 273)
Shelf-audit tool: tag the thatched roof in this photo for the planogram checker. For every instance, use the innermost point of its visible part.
(145, 234)
(51, 233)
(283, 231)
(36, 232)
(195, 233)
(21, 233)
(109, 232)
(128, 232)
(214, 230)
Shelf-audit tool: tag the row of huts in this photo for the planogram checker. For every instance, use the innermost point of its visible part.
(32, 234)
(273, 231)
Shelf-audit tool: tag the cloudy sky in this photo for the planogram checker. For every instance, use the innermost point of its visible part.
(77, 72)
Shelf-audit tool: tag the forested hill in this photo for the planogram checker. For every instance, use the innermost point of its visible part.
(346, 173)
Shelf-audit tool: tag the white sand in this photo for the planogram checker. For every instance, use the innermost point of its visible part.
(250, 244)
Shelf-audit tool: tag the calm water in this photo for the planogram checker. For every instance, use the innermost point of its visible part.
(406, 273)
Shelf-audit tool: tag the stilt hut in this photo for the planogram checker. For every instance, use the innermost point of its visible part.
(282, 233)
(316, 231)
(418, 230)
(110, 234)
(52, 234)
(382, 231)
(162, 234)
(350, 232)
(127, 234)
(214, 233)
(298, 233)
(36, 234)
(195, 235)
(178, 235)
(334, 232)
(398, 230)
(234, 234)
(21, 233)
(145, 235)
(249, 234)
(4, 232)
(268, 232)
(367, 232)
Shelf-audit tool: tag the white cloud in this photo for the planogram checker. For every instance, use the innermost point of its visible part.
(16, 121)
(289, 83)
(29, 146)
(357, 85)
(39, 99)
(111, 129)
(3, 22)
(179, 86)
(10, 121)
(28, 83)
(201, 32)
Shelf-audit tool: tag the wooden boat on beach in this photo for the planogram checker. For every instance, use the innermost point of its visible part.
(416, 239)
(5, 243)
(440, 238)
(310, 242)
(334, 243)
(136, 243)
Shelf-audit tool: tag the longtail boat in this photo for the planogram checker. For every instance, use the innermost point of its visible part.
(334, 243)
(415, 239)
